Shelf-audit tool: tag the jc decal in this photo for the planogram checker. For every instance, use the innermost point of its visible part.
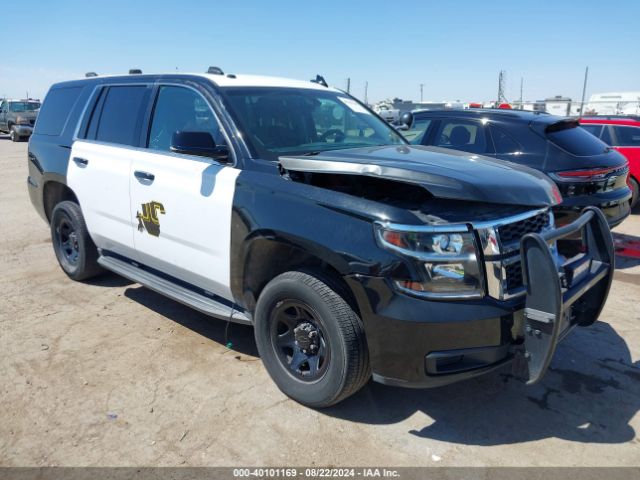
(148, 220)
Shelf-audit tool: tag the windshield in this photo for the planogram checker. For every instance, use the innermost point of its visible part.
(23, 106)
(290, 121)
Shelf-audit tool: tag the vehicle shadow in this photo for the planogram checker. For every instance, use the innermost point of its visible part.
(590, 394)
(217, 330)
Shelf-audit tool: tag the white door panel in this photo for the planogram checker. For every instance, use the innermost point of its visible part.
(102, 188)
(183, 217)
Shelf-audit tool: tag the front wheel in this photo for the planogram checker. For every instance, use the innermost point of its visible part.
(74, 249)
(13, 135)
(635, 192)
(310, 340)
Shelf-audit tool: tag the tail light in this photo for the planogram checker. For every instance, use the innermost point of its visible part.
(586, 175)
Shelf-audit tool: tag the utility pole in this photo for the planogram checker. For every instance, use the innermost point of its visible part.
(501, 81)
(366, 92)
(348, 84)
(521, 101)
(584, 90)
(421, 91)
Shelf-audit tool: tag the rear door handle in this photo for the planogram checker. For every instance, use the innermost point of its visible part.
(144, 177)
(81, 162)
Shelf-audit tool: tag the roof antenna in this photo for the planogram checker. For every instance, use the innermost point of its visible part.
(90, 74)
(135, 71)
(320, 80)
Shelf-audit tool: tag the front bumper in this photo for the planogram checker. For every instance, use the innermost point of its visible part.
(414, 342)
(23, 130)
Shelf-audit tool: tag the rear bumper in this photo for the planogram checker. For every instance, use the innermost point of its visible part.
(615, 205)
(420, 343)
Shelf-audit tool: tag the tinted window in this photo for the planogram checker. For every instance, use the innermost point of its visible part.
(465, 135)
(180, 109)
(120, 117)
(503, 143)
(23, 106)
(627, 136)
(56, 109)
(278, 121)
(593, 129)
(577, 141)
(416, 133)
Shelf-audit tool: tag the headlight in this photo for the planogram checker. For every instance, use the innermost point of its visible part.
(22, 121)
(446, 255)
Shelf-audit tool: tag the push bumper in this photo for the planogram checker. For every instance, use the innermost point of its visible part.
(419, 343)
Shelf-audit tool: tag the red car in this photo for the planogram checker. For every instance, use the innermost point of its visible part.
(623, 134)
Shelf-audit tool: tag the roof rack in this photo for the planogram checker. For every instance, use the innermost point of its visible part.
(320, 80)
(215, 71)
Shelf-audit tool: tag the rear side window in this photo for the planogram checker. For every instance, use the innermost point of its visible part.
(577, 141)
(120, 118)
(55, 110)
(627, 136)
(593, 129)
(503, 143)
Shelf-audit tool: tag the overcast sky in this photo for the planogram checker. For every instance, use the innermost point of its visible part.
(456, 49)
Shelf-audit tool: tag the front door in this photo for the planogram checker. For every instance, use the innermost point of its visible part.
(181, 204)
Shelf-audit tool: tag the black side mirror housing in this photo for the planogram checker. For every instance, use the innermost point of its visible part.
(406, 119)
(200, 144)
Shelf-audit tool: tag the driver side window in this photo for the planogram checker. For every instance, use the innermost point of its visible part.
(179, 109)
(458, 134)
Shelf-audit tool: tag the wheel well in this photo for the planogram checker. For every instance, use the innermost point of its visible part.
(284, 258)
(53, 194)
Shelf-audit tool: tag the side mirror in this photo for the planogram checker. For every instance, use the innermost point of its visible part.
(200, 144)
(406, 119)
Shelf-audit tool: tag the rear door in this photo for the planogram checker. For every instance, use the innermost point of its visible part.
(182, 203)
(100, 166)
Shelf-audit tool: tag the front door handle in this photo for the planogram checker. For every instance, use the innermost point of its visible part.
(144, 177)
(81, 162)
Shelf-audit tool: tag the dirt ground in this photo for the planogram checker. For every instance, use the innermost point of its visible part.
(111, 374)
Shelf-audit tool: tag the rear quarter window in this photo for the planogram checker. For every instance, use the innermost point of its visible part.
(577, 141)
(55, 110)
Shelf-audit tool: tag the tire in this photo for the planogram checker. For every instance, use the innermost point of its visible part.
(342, 365)
(13, 135)
(74, 249)
(635, 188)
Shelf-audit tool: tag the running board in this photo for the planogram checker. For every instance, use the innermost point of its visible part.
(175, 292)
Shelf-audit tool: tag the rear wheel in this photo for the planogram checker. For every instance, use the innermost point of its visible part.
(635, 189)
(13, 135)
(310, 340)
(74, 249)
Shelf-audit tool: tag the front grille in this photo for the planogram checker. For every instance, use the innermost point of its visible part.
(513, 276)
(513, 232)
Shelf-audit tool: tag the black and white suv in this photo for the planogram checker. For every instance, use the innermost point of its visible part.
(291, 206)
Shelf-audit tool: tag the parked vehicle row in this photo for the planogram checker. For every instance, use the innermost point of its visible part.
(623, 134)
(293, 207)
(17, 117)
(586, 170)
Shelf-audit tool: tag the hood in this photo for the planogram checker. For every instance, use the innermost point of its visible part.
(444, 173)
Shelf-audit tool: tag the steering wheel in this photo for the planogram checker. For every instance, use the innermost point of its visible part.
(338, 134)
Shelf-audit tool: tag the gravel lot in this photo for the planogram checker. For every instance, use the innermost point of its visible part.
(109, 373)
